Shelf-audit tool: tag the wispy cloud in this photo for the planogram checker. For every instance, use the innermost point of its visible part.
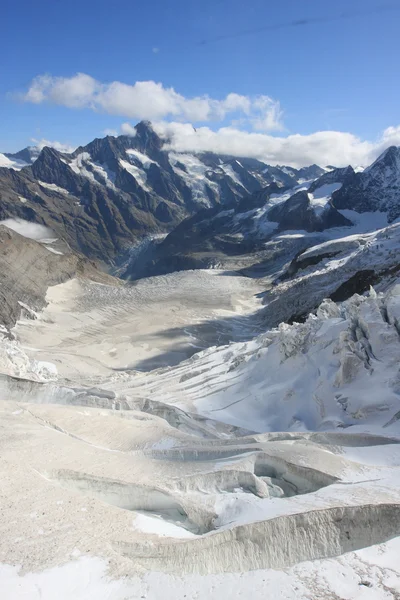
(113, 132)
(53, 144)
(28, 229)
(128, 129)
(153, 101)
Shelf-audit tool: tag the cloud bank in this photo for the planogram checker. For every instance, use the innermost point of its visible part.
(323, 147)
(152, 101)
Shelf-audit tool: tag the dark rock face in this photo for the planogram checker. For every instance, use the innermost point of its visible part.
(375, 189)
(344, 176)
(91, 220)
(27, 155)
(51, 169)
(298, 213)
(311, 172)
(358, 283)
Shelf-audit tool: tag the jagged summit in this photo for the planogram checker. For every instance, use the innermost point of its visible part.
(390, 157)
(27, 155)
(376, 189)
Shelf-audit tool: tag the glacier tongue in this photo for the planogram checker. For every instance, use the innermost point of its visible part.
(261, 451)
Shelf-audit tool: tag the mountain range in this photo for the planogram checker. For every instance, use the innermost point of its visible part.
(109, 194)
(141, 209)
(266, 230)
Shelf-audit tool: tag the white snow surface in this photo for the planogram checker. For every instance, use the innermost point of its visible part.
(139, 175)
(53, 250)
(228, 170)
(279, 198)
(16, 363)
(53, 187)
(338, 369)
(321, 196)
(160, 485)
(370, 574)
(363, 222)
(194, 176)
(84, 165)
(145, 160)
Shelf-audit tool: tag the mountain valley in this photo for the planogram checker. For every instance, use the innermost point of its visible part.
(199, 374)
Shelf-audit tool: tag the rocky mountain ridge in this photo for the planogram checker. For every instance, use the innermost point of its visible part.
(270, 227)
(114, 191)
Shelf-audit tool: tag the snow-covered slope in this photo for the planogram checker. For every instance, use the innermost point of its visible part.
(338, 369)
(372, 572)
(335, 269)
(291, 437)
(20, 159)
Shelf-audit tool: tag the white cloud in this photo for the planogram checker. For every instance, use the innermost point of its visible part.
(73, 92)
(37, 90)
(34, 231)
(269, 113)
(53, 144)
(112, 132)
(390, 137)
(155, 50)
(151, 100)
(128, 129)
(323, 147)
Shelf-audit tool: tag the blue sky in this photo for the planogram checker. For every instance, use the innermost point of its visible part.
(339, 74)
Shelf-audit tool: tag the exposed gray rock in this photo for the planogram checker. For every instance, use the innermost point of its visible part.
(28, 268)
(375, 189)
(298, 213)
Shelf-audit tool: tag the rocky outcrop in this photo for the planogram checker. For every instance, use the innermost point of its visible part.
(377, 188)
(27, 155)
(28, 268)
(299, 213)
(343, 176)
